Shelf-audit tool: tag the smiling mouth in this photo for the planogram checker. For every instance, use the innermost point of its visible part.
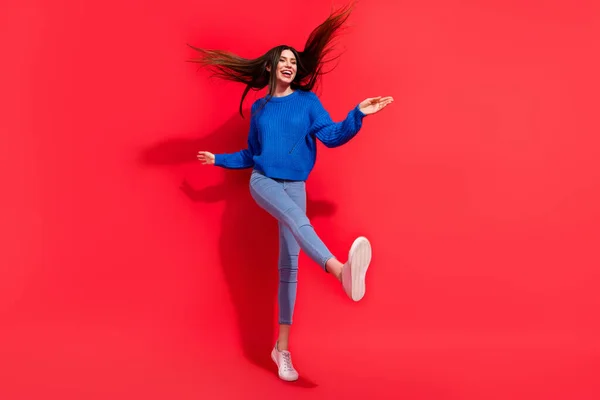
(287, 74)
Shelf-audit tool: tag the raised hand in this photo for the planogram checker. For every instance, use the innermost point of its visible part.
(375, 104)
(206, 158)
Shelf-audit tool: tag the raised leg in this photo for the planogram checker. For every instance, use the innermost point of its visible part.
(271, 195)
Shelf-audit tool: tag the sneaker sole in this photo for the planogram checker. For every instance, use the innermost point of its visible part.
(360, 259)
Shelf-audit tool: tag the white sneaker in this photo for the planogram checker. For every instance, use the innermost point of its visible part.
(283, 360)
(355, 269)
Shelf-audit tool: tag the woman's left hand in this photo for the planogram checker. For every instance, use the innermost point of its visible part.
(374, 104)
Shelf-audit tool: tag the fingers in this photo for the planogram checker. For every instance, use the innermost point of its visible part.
(379, 100)
(206, 157)
(386, 101)
(382, 104)
(382, 98)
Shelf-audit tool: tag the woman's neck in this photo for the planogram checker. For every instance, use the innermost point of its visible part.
(281, 91)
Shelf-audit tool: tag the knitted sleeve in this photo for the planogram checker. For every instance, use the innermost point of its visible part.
(334, 134)
(243, 158)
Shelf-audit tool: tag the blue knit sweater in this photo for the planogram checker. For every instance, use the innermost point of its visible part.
(283, 134)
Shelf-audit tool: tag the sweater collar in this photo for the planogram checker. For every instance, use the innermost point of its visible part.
(282, 98)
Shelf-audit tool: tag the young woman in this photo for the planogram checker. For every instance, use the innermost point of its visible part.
(284, 129)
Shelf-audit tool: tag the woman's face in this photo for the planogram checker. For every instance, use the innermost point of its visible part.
(286, 68)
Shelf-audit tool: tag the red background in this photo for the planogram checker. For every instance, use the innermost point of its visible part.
(479, 188)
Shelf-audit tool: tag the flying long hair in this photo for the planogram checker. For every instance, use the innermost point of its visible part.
(253, 73)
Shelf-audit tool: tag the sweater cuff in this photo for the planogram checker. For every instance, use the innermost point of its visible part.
(218, 160)
(359, 111)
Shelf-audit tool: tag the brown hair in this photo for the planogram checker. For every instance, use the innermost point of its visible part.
(253, 72)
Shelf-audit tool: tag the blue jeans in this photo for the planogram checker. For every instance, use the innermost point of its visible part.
(286, 201)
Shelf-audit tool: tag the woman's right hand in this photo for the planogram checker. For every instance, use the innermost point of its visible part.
(206, 158)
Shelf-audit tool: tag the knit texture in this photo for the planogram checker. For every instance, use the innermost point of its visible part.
(283, 134)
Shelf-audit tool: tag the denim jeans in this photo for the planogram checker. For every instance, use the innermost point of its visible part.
(286, 201)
